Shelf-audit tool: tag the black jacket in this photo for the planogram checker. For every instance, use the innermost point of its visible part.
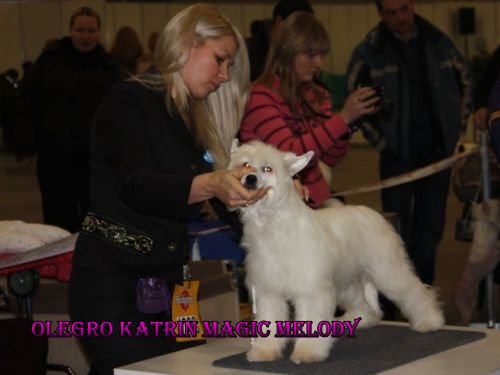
(143, 162)
(449, 80)
(59, 97)
(487, 80)
(8, 101)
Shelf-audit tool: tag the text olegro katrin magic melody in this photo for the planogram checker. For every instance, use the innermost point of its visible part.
(190, 329)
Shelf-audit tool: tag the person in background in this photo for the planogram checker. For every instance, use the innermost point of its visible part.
(494, 119)
(258, 44)
(9, 92)
(257, 52)
(161, 142)
(425, 85)
(152, 40)
(484, 89)
(127, 51)
(484, 255)
(26, 66)
(57, 103)
(290, 111)
(487, 105)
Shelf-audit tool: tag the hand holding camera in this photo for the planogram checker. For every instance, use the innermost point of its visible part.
(385, 103)
(363, 101)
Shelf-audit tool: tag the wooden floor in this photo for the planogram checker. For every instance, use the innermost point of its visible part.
(20, 200)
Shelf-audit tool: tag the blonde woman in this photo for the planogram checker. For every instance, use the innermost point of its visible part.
(159, 147)
(287, 108)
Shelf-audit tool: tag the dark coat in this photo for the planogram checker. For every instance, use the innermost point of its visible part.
(494, 107)
(449, 81)
(487, 80)
(143, 162)
(59, 97)
(8, 101)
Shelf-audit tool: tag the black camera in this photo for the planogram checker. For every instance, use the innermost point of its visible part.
(385, 103)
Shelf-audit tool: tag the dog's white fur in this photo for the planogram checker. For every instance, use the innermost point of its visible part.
(320, 259)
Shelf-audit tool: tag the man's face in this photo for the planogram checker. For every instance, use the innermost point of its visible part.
(398, 15)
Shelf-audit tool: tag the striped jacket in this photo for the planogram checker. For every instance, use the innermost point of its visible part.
(375, 61)
(268, 118)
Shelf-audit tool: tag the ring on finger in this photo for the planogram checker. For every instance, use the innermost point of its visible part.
(245, 204)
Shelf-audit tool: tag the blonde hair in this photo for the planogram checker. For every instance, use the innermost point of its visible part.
(216, 119)
(301, 32)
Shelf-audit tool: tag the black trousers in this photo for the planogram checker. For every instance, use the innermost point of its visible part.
(63, 178)
(101, 297)
(421, 207)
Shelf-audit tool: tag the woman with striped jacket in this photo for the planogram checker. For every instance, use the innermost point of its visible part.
(291, 110)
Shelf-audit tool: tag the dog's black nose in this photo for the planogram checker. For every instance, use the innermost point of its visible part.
(251, 182)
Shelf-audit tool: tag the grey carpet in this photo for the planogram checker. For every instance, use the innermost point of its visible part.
(372, 350)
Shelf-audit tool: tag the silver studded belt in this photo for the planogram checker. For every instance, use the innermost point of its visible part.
(117, 233)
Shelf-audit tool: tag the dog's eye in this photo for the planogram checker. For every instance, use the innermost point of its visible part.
(267, 169)
(246, 164)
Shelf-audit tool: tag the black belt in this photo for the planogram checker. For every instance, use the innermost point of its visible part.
(117, 233)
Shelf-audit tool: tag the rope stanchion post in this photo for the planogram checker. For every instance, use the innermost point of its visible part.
(486, 185)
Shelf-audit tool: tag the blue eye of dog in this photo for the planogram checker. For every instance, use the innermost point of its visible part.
(267, 169)
(246, 164)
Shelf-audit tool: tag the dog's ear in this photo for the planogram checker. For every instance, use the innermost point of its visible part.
(234, 145)
(295, 163)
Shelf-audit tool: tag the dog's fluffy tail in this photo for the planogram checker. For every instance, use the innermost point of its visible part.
(371, 297)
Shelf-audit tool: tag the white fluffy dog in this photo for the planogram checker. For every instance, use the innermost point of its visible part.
(320, 259)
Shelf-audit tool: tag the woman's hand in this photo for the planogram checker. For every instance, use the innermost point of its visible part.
(302, 190)
(360, 103)
(227, 187)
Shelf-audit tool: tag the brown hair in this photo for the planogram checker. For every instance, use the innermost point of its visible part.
(152, 40)
(301, 32)
(85, 11)
(378, 3)
(127, 48)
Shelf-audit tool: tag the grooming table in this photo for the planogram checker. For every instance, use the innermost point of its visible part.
(478, 357)
(52, 260)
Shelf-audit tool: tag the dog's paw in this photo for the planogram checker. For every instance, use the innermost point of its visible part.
(432, 322)
(308, 353)
(264, 355)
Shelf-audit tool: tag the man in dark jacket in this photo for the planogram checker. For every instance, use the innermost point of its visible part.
(494, 121)
(484, 88)
(56, 107)
(8, 100)
(427, 90)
